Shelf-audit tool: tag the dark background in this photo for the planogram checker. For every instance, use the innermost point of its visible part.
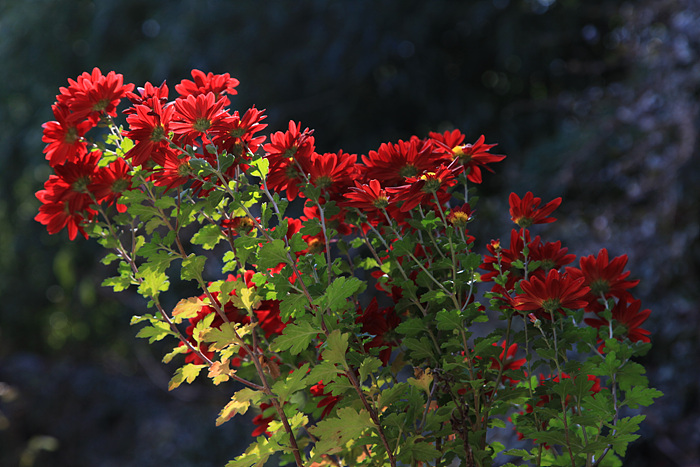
(595, 101)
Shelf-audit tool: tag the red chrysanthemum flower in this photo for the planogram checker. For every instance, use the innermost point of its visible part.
(66, 198)
(423, 189)
(526, 211)
(92, 94)
(367, 197)
(236, 134)
(194, 116)
(110, 182)
(148, 95)
(175, 171)
(219, 85)
(392, 163)
(59, 214)
(65, 136)
(289, 154)
(628, 316)
(550, 255)
(460, 216)
(553, 294)
(473, 157)
(333, 172)
(605, 278)
(148, 128)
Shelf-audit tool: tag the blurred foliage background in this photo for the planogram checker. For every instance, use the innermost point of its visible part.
(595, 101)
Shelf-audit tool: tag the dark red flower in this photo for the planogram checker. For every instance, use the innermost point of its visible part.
(367, 197)
(526, 211)
(423, 189)
(605, 278)
(175, 170)
(289, 154)
(65, 136)
(378, 322)
(392, 163)
(508, 361)
(460, 216)
(553, 294)
(333, 172)
(629, 317)
(501, 259)
(219, 85)
(148, 95)
(473, 157)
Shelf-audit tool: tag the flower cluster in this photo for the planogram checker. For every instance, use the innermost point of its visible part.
(352, 324)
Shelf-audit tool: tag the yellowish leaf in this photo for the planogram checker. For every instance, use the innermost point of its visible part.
(187, 308)
(422, 380)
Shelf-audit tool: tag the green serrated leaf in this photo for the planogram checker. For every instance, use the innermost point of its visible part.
(368, 366)
(449, 320)
(336, 296)
(208, 236)
(296, 337)
(295, 381)
(293, 305)
(272, 254)
(411, 327)
(156, 331)
(192, 267)
(336, 348)
(153, 282)
(334, 432)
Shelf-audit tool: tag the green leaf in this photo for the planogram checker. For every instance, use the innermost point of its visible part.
(295, 381)
(334, 433)
(180, 349)
(245, 246)
(192, 267)
(411, 327)
(392, 394)
(153, 282)
(296, 337)
(185, 374)
(271, 254)
(336, 347)
(324, 371)
(417, 451)
(224, 336)
(336, 296)
(449, 320)
(119, 283)
(157, 331)
(368, 366)
(261, 166)
(293, 305)
(208, 236)
(420, 349)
